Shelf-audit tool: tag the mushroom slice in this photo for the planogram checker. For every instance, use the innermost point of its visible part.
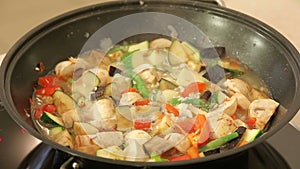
(237, 86)
(242, 101)
(262, 110)
(129, 98)
(160, 43)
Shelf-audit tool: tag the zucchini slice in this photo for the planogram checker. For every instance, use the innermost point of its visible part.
(165, 84)
(86, 84)
(177, 54)
(55, 130)
(63, 102)
(140, 46)
(250, 135)
(218, 97)
(51, 119)
(191, 52)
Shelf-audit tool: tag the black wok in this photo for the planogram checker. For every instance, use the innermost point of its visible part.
(266, 51)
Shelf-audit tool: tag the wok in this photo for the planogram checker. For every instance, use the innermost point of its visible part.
(267, 52)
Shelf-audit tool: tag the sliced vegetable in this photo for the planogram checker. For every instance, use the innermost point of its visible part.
(51, 119)
(141, 86)
(177, 54)
(157, 158)
(129, 90)
(63, 102)
(113, 152)
(157, 145)
(193, 152)
(55, 130)
(218, 97)
(194, 87)
(47, 81)
(165, 84)
(250, 135)
(191, 52)
(198, 103)
(218, 142)
(86, 83)
(142, 102)
(50, 108)
(142, 124)
(140, 46)
(175, 101)
(180, 158)
(122, 48)
(46, 91)
(113, 70)
(233, 143)
(171, 109)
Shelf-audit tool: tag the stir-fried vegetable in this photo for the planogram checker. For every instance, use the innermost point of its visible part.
(151, 101)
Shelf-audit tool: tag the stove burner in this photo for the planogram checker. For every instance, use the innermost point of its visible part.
(262, 156)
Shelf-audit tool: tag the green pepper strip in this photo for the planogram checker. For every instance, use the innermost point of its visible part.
(218, 142)
(157, 158)
(195, 102)
(140, 84)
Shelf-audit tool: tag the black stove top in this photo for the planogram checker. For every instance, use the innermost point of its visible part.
(18, 149)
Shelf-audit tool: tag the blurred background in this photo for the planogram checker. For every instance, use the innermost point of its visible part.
(18, 17)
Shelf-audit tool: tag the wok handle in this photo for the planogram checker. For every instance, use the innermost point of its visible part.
(70, 164)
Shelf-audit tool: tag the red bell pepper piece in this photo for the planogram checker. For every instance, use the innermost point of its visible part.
(131, 89)
(142, 102)
(38, 113)
(171, 109)
(46, 91)
(251, 122)
(193, 152)
(194, 87)
(47, 81)
(180, 158)
(142, 124)
(50, 108)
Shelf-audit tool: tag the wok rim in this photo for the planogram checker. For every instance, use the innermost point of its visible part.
(9, 60)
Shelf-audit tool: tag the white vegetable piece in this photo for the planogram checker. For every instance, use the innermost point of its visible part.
(129, 98)
(81, 128)
(113, 152)
(109, 138)
(179, 141)
(139, 136)
(262, 110)
(221, 124)
(135, 150)
(102, 109)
